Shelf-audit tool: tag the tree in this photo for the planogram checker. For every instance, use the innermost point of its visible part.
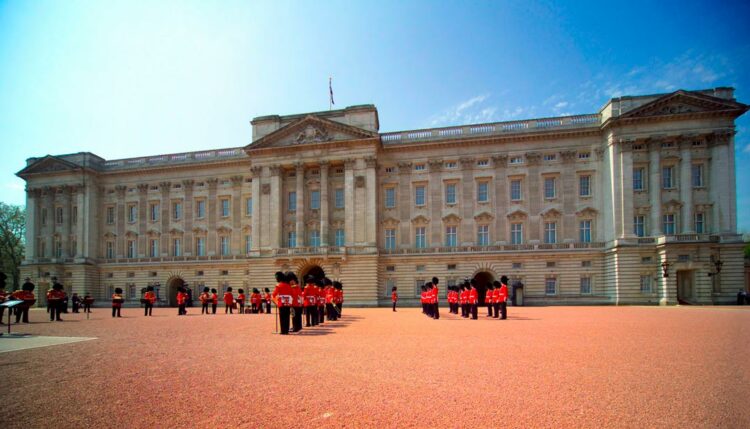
(12, 241)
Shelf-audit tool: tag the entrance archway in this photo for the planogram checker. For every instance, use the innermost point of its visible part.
(483, 279)
(312, 270)
(685, 289)
(172, 286)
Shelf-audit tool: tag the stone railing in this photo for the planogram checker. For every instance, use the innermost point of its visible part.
(493, 249)
(173, 259)
(497, 128)
(175, 159)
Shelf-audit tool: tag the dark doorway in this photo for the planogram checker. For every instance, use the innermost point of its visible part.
(174, 284)
(483, 279)
(312, 270)
(685, 289)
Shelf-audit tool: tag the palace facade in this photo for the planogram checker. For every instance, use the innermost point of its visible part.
(635, 204)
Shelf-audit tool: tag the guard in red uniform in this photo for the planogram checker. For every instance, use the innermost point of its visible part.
(435, 299)
(282, 296)
(310, 298)
(205, 299)
(322, 300)
(267, 298)
(394, 297)
(3, 296)
(214, 300)
(181, 301)
(502, 298)
(117, 301)
(255, 301)
(228, 301)
(241, 301)
(339, 297)
(149, 298)
(297, 302)
(26, 294)
(464, 299)
(488, 299)
(330, 308)
(473, 299)
(55, 298)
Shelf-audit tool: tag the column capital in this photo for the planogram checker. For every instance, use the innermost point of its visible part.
(165, 186)
(236, 180)
(274, 169)
(533, 158)
(467, 162)
(188, 184)
(212, 182)
(500, 160)
(142, 188)
(718, 138)
(120, 189)
(568, 155)
(371, 162)
(324, 164)
(256, 170)
(350, 163)
(435, 165)
(33, 192)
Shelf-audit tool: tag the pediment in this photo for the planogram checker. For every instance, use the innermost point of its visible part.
(223, 229)
(47, 164)
(684, 102)
(587, 212)
(390, 222)
(517, 214)
(551, 212)
(110, 234)
(420, 220)
(153, 233)
(483, 216)
(672, 205)
(451, 218)
(310, 130)
(131, 234)
(175, 231)
(199, 230)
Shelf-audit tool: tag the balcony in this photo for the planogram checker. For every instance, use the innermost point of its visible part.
(494, 249)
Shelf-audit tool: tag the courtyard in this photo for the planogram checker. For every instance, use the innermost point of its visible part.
(543, 367)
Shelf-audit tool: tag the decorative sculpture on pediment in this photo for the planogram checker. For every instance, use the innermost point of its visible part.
(266, 188)
(370, 162)
(533, 158)
(517, 215)
(451, 219)
(360, 181)
(420, 220)
(390, 222)
(587, 212)
(551, 213)
(312, 134)
(237, 180)
(672, 206)
(483, 217)
(675, 109)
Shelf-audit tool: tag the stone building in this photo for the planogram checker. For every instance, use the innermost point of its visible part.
(633, 204)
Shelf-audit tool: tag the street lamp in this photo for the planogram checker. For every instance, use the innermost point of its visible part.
(665, 269)
(717, 266)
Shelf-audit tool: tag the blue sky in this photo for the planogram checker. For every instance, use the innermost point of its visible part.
(125, 79)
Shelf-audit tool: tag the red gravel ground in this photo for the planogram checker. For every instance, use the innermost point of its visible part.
(544, 367)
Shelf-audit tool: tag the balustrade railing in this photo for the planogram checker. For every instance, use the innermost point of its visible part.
(186, 157)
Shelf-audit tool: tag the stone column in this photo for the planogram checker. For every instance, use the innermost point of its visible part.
(349, 209)
(569, 183)
(324, 233)
(626, 189)
(436, 202)
(48, 232)
(720, 186)
(299, 215)
(654, 187)
(686, 186)
(236, 239)
(501, 197)
(166, 216)
(121, 240)
(211, 243)
(32, 223)
(466, 206)
(371, 200)
(255, 220)
(143, 219)
(82, 221)
(65, 226)
(404, 202)
(276, 207)
(187, 236)
(533, 196)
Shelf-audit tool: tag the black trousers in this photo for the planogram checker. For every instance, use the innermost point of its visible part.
(116, 311)
(321, 314)
(436, 310)
(228, 308)
(75, 307)
(87, 308)
(464, 310)
(340, 307)
(297, 319)
(204, 308)
(22, 313)
(55, 310)
(394, 305)
(241, 307)
(503, 310)
(268, 308)
(489, 309)
(331, 312)
(284, 319)
(474, 311)
(147, 309)
(181, 310)
(311, 316)
(213, 308)
(497, 309)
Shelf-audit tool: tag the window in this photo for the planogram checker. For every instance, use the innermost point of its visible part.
(483, 235)
(667, 179)
(699, 223)
(419, 167)
(291, 240)
(225, 207)
(419, 268)
(153, 250)
(110, 249)
(638, 184)
(110, 215)
(451, 267)
(59, 215)
(200, 246)
(390, 268)
(42, 247)
(551, 264)
(153, 212)
(697, 175)
(482, 192)
(549, 187)
(75, 215)
(176, 211)
(314, 238)
(420, 239)
(131, 249)
(132, 213)
(389, 169)
(224, 245)
(248, 243)
(390, 198)
(339, 238)
(315, 200)
(418, 283)
(249, 207)
(550, 157)
(515, 190)
(668, 224)
(584, 186)
(639, 226)
(584, 229)
(584, 155)
(390, 239)
(292, 201)
(645, 284)
(177, 247)
(586, 264)
(646, 260)
(450, 236)
(450, 164)
(58, 248)
(516, 233)
(550, 286)
(585, 285)
(450, 193)
(339, 198)
(516, 160)
(483, 163)
(550, 232)
(419, 195)
(200, 209)
(389, 285)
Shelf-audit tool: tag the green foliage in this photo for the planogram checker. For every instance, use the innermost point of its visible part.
(747, 250)
(12, 242)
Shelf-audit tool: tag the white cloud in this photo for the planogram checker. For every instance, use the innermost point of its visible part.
(561, 105)
(468, 111)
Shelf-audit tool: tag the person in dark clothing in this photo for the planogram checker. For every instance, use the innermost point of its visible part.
(488, 298)
(76, 302)
(282, 296)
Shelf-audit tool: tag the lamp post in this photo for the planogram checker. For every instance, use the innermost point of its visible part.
(665, 269)
(717, 266)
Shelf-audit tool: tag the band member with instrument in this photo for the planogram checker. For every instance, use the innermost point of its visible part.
(502, 298)
(214, 300)
(149, 298)
(241, 301)
(282, 296)
(88, 301)
(435, 299)
(55, 299)
(117, 301)
(330, 301)
(181, 301)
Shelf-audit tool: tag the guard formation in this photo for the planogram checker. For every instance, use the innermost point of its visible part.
(466, 298)
(320, 298)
